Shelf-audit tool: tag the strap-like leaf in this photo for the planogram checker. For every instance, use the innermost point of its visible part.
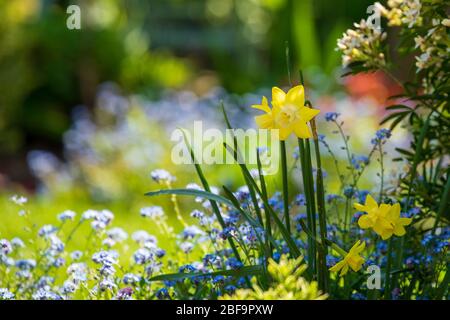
(193, 192)
(241, 272)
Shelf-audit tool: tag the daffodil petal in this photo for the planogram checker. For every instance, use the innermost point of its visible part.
(383, 210)
(394, 212)
(296, 96)
(355, 263)
(384, 231)
(355, 246)
(344, 270)
(264, 106)
(404, 221)
(360, 207)
(399, 230)
(308, 113)
(301, 130)
(370, 202)
(285, 132)
(385, 234)
(264, 121)
(365, 222)
(278, 96)
(338, 266)
(361, 247)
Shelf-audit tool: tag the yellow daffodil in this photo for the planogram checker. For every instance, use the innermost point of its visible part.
(351, 260)
(265, 121)
(398, 223)
(384, 219)
(375, 217)
(370, 205)
(288, 113)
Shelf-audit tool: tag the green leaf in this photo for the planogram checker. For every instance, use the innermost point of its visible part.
(249, 218)
(443, 287)
(398, 107)
(241, 272)
(286, 235)
(392, 116)
(193, 192)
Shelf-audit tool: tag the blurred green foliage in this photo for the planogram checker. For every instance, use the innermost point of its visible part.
(146, 46)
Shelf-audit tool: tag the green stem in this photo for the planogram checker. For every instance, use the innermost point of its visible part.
(176, 208)
(444, 202)
(387, 278)
(214, 205)
(347, 150)
(309, 208)
(72, 232)
(285, 185)
(285, 233)
(338, 249)
(347, 201)
(381, 173)
(311, 184)
(268, 224)
(322, 214)
(416, 160)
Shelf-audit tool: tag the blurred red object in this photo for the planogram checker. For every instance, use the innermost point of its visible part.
(376, 85)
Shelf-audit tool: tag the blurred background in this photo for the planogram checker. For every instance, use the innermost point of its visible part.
(163, 56)
(86, 115)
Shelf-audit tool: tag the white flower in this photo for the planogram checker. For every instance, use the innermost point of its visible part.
(56, 245)
(151, 244)
(69, 287)
(5, 294)
(186, 246)
(130, 278)
(140, 236)
(105, 257)
(89, 214)
(20, 200)
(254, 173)
(66, 215)
(26, 264)
(22, 213)
(101, 218)
(98, 225)
(362, 45)
(108, 242)
(142, 256)
(17, 243)
(162, 176)
(152, 212)
(193, 186)
(45, 294)
(76, 255)
(47, 230)
(105, 216)
(107, 284)
(422, 60)
(117, 234)
(5, 247)
(191, 231)
(78, 272)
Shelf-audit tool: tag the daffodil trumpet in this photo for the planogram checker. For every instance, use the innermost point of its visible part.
(288, 113)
